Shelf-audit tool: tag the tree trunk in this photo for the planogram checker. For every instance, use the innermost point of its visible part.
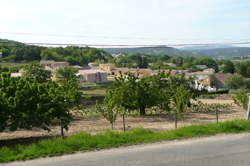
(123, 121)
(176, 120)
(112, 125)
(142, 110)
(62, 131)
(217, 116)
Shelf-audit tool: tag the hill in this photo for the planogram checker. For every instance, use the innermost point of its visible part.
(152, 51)
(226, 52)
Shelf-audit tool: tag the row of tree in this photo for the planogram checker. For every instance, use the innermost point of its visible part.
(129, 92)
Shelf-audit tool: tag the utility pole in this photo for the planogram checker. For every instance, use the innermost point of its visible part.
(248, 108)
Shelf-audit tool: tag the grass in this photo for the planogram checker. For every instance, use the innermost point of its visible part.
(85, 142)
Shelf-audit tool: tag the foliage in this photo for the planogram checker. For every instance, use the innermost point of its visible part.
(203, 107)
(228, 67)
(237, 82)
(181, 99)
(27, 103)
(35, 71)
(209, 62)
(18, 52)
(109, 111)
(241, 98)
(243, 68)
(67, 74)
(85, 142)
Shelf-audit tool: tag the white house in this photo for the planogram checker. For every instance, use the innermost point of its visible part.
(18, 74)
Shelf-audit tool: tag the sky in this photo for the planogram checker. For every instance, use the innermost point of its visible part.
(157, 22)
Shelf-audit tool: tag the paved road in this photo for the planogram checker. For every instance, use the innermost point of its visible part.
(222, 150)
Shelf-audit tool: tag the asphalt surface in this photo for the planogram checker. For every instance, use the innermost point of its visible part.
(221, 150)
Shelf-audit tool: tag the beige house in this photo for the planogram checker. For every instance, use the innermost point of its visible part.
(53, 65)
(109, 68)
(93, 76)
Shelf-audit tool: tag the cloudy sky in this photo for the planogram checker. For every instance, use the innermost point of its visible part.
(125, 21)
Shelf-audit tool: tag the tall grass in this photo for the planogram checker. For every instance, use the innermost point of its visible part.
(84, 141)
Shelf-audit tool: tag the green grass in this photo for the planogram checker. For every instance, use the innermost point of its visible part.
(84, 141)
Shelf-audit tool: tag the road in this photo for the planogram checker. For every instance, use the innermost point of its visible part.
(220, 150)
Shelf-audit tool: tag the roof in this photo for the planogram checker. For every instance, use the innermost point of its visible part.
(90, 71)
(223, 77)
(199, 73)
(47, 61)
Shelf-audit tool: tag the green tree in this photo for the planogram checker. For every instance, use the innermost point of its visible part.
(241, 98)
(181, 99)
(237, 82)
(26, 103)
(36, 71)
(67, 74)
(109, 110)
(141, 61)
(228, 67)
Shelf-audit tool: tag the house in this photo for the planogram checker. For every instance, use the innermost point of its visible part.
(201, 67)
(122, 71)
(53, 65)
(109, 68)
(170, 64)
(219, 80)
(202, 79)
(18, 74)
(92, 64)
(137, 72)
(209, 70)
(93, 76)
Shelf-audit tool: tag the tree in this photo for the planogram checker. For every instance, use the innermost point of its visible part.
(209, 62)
(109, 110)
(181, 99)
(141, 61)
(228, 67)
(26, 103)
(35, 71)
(241, 98)
(50, 54)
(67, 74)
(237, 82)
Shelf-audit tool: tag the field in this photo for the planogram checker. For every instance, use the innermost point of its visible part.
(88, 120)
(93, 123)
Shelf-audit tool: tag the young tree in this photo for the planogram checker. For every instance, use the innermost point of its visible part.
(181, 99)
(241, 98)
(109, 111)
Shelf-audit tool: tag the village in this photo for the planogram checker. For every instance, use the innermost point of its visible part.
(206, 78)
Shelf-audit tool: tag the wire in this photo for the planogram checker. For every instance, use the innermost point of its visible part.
(127, 45)
(99, 36)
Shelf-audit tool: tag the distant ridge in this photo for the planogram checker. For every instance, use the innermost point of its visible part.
(155, 51)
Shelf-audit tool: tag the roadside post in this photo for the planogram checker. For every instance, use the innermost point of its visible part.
(248, 108)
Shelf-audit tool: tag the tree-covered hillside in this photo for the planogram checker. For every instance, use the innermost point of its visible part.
(18, 52)
(226, 52)
(152, 51)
